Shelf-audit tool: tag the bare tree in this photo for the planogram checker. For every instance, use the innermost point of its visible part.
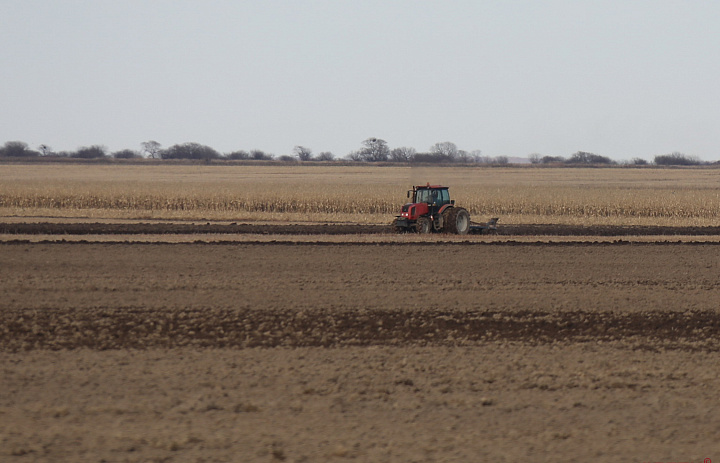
(151, 148)
(402, 154)
(325, 156)
(17, 149)
(446, 151)
(45, 150)
(374, 150)
(304, 154)
(464, 157)
(355, 156)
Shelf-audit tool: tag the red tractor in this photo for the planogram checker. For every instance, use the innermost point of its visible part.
(432, 209)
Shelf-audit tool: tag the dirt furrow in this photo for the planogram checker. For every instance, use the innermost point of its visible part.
(123, 328)
(47, 228)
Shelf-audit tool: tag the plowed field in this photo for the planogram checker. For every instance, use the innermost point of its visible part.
(363, 352)
(134, 228)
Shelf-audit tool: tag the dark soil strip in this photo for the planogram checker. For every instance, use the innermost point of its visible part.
(185, 229)
(605, 230)
(136, 328)
(330, 229)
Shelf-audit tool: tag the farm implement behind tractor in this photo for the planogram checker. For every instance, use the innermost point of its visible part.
(432, 210)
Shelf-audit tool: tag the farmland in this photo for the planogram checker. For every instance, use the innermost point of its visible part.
(267, 314)
(337, 194)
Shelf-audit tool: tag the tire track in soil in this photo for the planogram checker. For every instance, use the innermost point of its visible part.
(138, 328)
(332, 229)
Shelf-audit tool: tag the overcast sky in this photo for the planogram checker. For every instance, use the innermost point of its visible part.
(618, 78)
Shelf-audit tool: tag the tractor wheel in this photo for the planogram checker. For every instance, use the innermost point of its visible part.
(438, 223)
(396, 228)
(456, 220)
(423, 225)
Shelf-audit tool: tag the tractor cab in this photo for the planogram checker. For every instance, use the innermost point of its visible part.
(434, 195)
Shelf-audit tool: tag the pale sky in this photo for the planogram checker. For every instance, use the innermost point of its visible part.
(621, 79)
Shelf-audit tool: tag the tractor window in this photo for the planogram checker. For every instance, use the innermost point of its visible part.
(444, 197)
(433, 196)
(423, 196)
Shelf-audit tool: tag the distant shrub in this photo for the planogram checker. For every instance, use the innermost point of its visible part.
(581, 157)
(677, 159)
(551, 159)
(433, 158)
(259, 155)
(126, 154)
(190, 151)
(325, 156)
(17, 149)
(238, 155)
(89, 152)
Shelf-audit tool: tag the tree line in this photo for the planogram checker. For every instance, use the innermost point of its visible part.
(582, 157)
(372, 150)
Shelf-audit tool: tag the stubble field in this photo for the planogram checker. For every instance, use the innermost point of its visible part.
(485, 348)
(358, 194)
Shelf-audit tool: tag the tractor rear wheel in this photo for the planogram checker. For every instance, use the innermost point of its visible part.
(456, 220)
(423, 225)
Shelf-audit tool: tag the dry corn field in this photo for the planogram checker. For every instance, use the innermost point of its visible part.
(366, 194)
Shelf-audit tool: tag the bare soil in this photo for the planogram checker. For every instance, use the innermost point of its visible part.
(134, 228)
(365, 352)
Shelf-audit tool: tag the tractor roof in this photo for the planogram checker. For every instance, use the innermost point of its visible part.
(434, 187)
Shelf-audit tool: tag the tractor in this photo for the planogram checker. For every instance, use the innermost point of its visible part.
(432, 210)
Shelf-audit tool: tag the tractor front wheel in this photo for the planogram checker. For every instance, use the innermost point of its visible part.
(423, 225)
(456, 220)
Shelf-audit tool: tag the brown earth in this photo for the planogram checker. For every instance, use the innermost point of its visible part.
(414, 352)
(133, 228)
